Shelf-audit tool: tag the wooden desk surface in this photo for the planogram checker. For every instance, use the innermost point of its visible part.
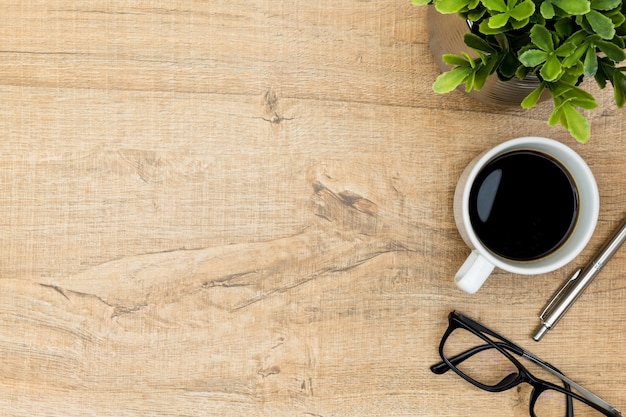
(245, 209)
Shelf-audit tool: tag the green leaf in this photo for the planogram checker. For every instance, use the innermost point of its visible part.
(566, 49)
(468, 59)
(618, 19)
(508, 66)
(483, 57)
(577, 92)
(450, 6)
(421, 2)
(552, 69)
(476, 14)
(450, 80)
(503, 43)
(547, 10)
(498, 20)
(605, 4)
(573, 73)
(591, 62)
(559, 89)
(480, 77)
(542, 37)
(573, 7)
(495, 5)
(519, 24)
(620, 97)
(486, 30)
(555, 116)
(455, 60)
(601, 24)
(533, 57)
(612, 51)
(575, 57)
(579, 36)
(619, 88)
(476, 42)
(584, 103)
(469, 82)
(564, 27)
(576, 123)
(521, 72)
(523, 10)
(492, 63)
(601, 78)
(532, 99)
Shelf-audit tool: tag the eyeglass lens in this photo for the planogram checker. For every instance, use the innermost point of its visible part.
(486, 365)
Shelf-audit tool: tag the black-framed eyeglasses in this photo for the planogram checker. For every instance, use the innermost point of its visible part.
(485, 359)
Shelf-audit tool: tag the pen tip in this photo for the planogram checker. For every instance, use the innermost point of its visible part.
(541, 331)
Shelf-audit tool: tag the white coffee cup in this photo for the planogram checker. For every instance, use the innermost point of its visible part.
(481, 262)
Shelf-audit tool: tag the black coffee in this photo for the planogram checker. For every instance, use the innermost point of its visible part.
(523, 205)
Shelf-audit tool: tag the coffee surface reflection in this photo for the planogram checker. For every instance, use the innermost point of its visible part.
(523, 205)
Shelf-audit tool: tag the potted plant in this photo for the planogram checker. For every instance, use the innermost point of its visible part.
(559, 41)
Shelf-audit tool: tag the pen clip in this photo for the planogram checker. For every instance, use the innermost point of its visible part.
(557, 295)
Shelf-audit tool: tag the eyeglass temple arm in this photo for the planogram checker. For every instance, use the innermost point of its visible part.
(584, 392)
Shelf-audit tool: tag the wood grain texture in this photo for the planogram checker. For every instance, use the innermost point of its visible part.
(245, 209)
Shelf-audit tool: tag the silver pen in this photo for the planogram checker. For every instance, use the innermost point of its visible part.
(574, 287)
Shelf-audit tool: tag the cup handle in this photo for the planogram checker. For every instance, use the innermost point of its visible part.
(473, 273)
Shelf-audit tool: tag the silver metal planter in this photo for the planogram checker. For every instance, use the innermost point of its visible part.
(445, 32)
